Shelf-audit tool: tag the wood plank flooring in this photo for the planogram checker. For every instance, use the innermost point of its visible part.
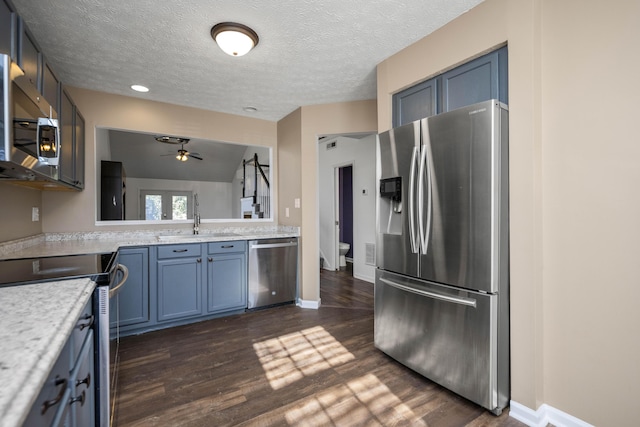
(283, 366)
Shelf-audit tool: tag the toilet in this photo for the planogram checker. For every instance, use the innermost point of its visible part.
(343, 248)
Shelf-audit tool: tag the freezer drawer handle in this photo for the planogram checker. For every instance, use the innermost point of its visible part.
(463, 301)
(274, 245)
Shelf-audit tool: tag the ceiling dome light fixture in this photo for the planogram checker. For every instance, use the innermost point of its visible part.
(234, 39)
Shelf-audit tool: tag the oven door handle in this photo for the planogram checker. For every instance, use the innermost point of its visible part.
(125, 275)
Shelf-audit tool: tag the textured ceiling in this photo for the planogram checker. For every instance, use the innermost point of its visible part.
(310, 51)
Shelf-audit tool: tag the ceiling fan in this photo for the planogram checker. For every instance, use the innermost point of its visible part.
(183, 155)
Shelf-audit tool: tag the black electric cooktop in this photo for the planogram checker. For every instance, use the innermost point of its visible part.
(98, 267)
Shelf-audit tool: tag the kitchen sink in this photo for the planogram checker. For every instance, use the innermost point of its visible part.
(173, 237)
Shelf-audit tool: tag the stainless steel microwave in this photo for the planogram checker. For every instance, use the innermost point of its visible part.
(29, 130)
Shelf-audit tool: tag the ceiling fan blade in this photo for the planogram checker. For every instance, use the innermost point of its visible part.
(195, 156)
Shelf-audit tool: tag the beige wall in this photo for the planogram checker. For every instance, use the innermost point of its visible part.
(316, 120)
(15, 214)
(289, 134)
(77, 211)
(573, 67)
(591, 209)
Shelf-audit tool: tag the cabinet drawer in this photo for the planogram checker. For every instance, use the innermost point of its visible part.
(178, 251)
(226, 247)
(83, 325)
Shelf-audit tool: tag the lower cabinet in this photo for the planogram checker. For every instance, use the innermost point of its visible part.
(226, 276)
(179, 281)
(130, 306)
(67, 397)
(175, 284)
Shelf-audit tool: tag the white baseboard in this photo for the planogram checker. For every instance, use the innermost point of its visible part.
(365, 278)
(308, 304)
(544, 415)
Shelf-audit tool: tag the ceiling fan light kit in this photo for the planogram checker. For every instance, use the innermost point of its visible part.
(165, 139)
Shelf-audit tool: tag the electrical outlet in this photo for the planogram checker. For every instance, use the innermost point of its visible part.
(35, 214)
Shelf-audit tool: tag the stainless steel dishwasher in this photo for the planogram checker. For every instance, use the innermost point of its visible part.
(273, 272)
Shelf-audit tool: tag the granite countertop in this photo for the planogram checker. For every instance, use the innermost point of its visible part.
(54, 244)
(35, 322)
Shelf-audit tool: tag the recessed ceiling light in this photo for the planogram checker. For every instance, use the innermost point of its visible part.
(140, 88)
(250, 109)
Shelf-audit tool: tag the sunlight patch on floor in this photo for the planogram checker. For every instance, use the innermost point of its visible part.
(365, 400)
(290, 357)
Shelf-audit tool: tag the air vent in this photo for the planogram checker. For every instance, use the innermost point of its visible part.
(370, 253)
(331, 145)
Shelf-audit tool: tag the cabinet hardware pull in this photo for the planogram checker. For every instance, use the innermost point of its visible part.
(114, 200)
(91, 319)
(210, 259)
(80, 399)
(199, 260)
(49, 403)
(86, 381)
(227, 246)
(180, 250)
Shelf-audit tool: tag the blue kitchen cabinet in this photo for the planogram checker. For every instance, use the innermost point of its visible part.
(415, 103)
(179, 274)
(130, 306)
(7, 29)
(226, 276)
(68, 395)
(479, 80)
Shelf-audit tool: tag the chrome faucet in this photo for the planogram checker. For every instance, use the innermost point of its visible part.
(196, 215)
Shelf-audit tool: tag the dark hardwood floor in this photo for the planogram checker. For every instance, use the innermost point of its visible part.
(283, 366)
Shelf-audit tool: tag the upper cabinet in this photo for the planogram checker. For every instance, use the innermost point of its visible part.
(416, 102)
(17, 41)
(7, 29)
(71, 142)
(478, 80)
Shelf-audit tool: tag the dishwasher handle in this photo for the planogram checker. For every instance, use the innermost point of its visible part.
(272, 245)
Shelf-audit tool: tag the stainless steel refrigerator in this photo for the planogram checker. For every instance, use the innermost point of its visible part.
(442, 277)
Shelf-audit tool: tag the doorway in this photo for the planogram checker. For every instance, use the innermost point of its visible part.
(344, 215)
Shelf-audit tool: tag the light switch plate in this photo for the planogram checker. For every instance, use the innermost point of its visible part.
(35, 214)
(296, 203)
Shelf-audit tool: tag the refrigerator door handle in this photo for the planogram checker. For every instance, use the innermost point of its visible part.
(425, 172)
(415, 248)
(470, 302)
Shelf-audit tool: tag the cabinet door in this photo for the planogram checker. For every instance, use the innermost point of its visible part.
(51, 403)
(66, 138)
(227, 282)
(49, 85)
(82, 400)
(479, 80)
(179, 288)
(7, 29)
(415, 103)
(132, 301)
(29, 55)
(79, 149)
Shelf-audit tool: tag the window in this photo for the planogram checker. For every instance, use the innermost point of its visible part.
(165, 204)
